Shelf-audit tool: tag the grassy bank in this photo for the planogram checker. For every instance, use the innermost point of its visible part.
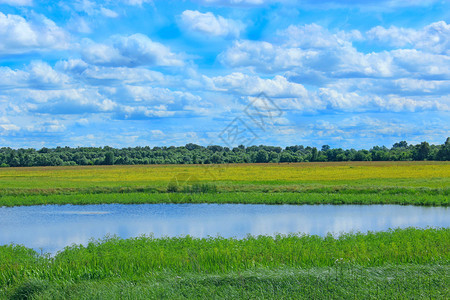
(399, 263)
(415, 183)
(422, 199)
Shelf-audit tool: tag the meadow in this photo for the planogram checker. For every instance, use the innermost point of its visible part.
(408, 263)
(397, 264)
(416, 183)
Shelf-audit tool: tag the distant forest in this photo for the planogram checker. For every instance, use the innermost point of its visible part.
(195, 154)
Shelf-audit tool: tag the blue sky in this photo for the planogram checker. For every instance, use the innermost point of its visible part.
(122, 73)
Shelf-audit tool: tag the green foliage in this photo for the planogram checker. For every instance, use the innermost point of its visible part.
(109, 158)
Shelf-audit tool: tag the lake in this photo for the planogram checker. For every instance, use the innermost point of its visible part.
(50, 228)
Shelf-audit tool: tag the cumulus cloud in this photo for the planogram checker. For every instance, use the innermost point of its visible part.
(131, 51)
(153, 95)
(293, 96)
(37, 75)
(113, 76)
(244, 84)
(309, 46)
(209, 24)
(433, 38)
(312, 54)
(42, 75)
(19, 35)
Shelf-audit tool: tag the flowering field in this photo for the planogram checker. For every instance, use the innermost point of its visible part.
(419, 183)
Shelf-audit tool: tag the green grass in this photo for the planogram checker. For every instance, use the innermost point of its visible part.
(414, 183)
(408, 263)
(348, 282)
(427, 198)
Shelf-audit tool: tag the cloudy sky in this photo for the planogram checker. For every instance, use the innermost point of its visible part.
(140, 72)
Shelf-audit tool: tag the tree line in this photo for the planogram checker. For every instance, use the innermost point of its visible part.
(215, 154)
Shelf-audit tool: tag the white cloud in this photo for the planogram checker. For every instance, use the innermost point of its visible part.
(79, 24)
(42, 75)
(368, 5)
(315, 36)
(312, 54)
(47, 126)
(157, 134)
(157, 95)
(417, 64)
(19, 35)
(6, 126)
(433, 38)
(264, 57)
(209, 24)
(17, 2)
(131, 51)
(72, 66)
(308, 46)
(237, 2)
(93, 8)
(37, 74)
(112, 76)
(244, 84)
(137, 2)
(108, 12)
(101, 54)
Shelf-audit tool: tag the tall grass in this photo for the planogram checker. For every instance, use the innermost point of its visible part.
(171, 261)
(423, 199)
(113, 256)
(350, 282)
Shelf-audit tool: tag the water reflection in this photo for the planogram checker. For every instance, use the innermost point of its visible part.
(54, 227)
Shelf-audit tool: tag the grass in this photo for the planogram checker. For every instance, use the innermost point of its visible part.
(426, 282)
(422, 199)
(415, 183)
(407, 263)
(398, 264)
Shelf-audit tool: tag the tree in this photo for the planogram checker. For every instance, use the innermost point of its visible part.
(109, 158)
(262, 156)
(363, 155)
(273, 157)
(216, 158)
(444, 152)
(422, 151)
(314, 154)
(402, 144)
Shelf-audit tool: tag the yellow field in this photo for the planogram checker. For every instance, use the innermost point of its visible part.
(418, 174)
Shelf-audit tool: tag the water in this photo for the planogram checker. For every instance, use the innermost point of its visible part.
(50, 228)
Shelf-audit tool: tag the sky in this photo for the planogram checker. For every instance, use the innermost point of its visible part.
(125, 73)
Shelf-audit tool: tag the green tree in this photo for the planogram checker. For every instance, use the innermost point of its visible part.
(422, 151)
(216, 158)
(109, 158)
(314, 154)
(262, 156)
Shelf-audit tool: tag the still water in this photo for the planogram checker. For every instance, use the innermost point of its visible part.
(50, 228)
